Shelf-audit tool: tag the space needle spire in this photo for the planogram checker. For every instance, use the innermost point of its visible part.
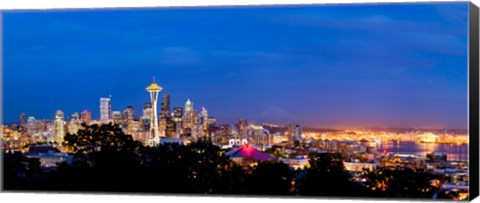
(154, 89)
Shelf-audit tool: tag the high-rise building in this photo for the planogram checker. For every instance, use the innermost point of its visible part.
(117, 118)
(203, 118)
(31, 125)
(146, 117)
(74, 123)
(129, 115)
(23, 120)
(59, 127)
(162, 126)
(297, 133)
(178, 130)
(164, 115)
(242, 126)
(105, 109)
(146, 122)
(147, 110)
(177, 114)
(211, 121)
(170, 128)
(188, 106)
(294, 133)
(165, 106)
(154, 89)
(195, 117)
(147, 105)
(188, 115)
(86, 116)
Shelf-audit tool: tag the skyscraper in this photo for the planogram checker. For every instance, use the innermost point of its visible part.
(74, 123)
(117, 118)
(165, 106)
(23, 120)
(147, 105)
(294, 133)
(195, 119)
(164, 114)
(188, 115)
(297, 133)
(31, 125)
(212, 121)
(188, 106)
(146, 116)
(129, 115)
(177, 114)
(170, 128)
(204, 118)
(242, 126)
(59, 127)
(105, 109)
(86, 117)
(154, 89)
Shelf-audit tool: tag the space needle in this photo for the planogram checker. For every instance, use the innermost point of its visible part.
(154, 89)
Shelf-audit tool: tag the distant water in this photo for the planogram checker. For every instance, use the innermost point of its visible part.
(455, 152)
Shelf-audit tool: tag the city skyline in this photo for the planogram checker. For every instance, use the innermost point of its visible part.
(313, 68)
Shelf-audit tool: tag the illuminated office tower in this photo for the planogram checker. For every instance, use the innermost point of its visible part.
(162, 126)
(297, 133)
(177, 114)
(211, 121)
(154, 89)
(147, 113)
(117, 118)
(31, 125)
(195, 117)
(197, 132)
(86, 117)
(50, 130)
(128, 115)
(105, 109)
(165, 115)
(294, 133)
(23, 120)
(165, 106)
(74, 123)
(188, 106)
(188, 114)
(203, 120)
(147, 110)
(242, 126)
(59, 127)
(170, 129)
(146, 122)
(147, 105)
(289, 134)
(177, 120)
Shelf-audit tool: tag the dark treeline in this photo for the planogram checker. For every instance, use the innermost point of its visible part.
(107, 160)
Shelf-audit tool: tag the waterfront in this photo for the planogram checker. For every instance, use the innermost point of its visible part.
(454, 152)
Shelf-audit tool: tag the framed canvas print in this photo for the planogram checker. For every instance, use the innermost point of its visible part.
(376, 101)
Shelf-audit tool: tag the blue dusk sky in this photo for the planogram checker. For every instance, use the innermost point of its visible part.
(371, 65)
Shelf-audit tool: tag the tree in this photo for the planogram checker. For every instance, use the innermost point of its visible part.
(20, 172)
(94, 138)
(401, 182)
(105, 159)
(14, 170)
(326, 176)
(270, 178)
(198, 168)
